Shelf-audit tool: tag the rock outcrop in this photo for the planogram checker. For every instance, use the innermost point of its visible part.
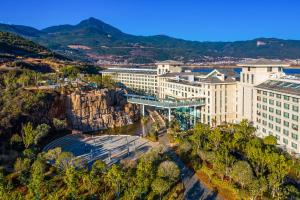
(100, 109)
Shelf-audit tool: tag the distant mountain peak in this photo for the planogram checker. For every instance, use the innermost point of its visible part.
(92, 21)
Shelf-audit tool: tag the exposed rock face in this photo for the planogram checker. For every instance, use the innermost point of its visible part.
(100, 109)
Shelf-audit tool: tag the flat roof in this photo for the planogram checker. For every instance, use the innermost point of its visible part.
(263, 63)
(282, 86)
(199, 81)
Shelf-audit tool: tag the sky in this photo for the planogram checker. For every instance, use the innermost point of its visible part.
(201, 20)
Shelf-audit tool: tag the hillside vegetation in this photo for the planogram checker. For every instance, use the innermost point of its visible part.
(14, 46)
(100, 39)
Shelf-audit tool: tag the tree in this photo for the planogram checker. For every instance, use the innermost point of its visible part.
(215, 138)
(33, 136)
(114, 178)
(2, 183)
(37, 179)
(70, 179)
(270, 140)
(28, 134)
(279, 168)
(97, 79)
(52, 154)
(242, 133)
(24, 79)
(144, 175)
(16, 139)
(22, 168)
(257, 156)
(10, 79)
(199, 137)
(108, 82)
(41, 131)
(160, 186)
(242, 173)
(169, 171)
(60, 124)
(64, 160)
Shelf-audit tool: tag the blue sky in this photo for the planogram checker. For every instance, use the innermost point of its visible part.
(202, 20)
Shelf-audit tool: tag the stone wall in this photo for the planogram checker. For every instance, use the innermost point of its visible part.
(99, 109)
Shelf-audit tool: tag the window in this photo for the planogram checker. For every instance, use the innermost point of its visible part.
(278, 112)
(271, 101)
(295, 127)
(278, 120)
(258, 98)
(271, 118)
(295, 117)
(295, 108)
(271, 94)
(278, 103)
(277, 137)
(264, 93)
(285, 123)
(265, 100)
(269, 69)
(296, 100)
(285, 141)
(294, 136)
(286, 106)
(286, 132)
(271, 109)
(294, 145)
(278, 96)
(286, 115)
(277, 128)
(270, 125)
(287, 98)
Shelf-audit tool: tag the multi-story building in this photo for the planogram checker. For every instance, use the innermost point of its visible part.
(262, 93)
(277, 111)
(139, 79)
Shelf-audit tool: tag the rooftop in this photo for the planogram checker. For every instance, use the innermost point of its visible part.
(284, 86)
(263, 63)
(171, 62)
(130, 70)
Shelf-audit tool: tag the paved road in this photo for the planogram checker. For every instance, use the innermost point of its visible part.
(194, 189)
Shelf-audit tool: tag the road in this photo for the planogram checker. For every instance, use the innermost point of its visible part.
(194, 189)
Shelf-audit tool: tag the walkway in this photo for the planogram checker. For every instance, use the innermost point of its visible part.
(150, 101)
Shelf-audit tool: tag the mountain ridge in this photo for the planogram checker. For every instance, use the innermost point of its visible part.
(103, 40)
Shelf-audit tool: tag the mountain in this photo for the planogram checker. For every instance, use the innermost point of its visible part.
(93, 40)
(16, 46)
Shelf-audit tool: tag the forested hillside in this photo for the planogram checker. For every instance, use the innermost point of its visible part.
(93, 39)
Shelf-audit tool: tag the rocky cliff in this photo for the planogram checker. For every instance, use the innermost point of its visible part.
(99, 109)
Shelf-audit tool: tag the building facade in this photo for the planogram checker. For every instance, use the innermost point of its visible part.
(262, 93)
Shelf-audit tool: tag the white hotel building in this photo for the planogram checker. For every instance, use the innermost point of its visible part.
(261, 93)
